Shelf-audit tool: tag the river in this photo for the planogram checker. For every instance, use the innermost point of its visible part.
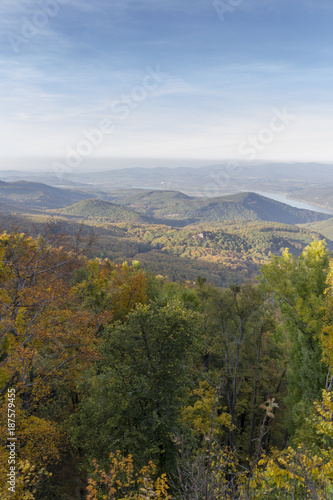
(294, 203)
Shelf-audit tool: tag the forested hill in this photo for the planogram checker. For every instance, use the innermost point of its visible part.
(324, 227)
(224, 252)
(172, 234)
(175, 235)
(38, 195)
(251, 206)
(240, 206)
(99, 209)
(150, 206)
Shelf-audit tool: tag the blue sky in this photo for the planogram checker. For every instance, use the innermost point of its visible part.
(66, 66)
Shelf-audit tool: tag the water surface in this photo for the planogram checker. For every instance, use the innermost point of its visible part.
(294, 203)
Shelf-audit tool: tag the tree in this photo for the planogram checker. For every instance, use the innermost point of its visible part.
(327, 333)
(245, 358)
(46, 340)
(121, 481)
(134, 396)
(305, 471)
(111, 289)
(36, 308)
(298, 285)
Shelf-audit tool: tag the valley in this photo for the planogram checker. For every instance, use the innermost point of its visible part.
(225, 239)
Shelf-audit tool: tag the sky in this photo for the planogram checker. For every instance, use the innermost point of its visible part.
(189, 79)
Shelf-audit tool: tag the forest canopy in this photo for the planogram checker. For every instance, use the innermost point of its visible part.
(126, 385)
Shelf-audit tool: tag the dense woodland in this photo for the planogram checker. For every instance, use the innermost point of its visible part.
(132, 386)
(225, 252)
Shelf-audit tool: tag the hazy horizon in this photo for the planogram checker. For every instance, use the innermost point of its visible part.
(38, 164)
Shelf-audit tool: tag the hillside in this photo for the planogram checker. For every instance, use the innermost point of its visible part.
(8, 206)
(321, 196)
(103, 210)
(228, 252)
(37, 195)
(251, 206)
(324, 227)
(241, 206)
(224, 239)
(310, 182)
(147, 197)
(175, 208)
(158, 204)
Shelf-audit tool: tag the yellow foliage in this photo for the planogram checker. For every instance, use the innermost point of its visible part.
(39, 441)
(43, 326)
(115, 288)
(327, 334)
(27, 479)
(304, 472)
(121, 482)
(206, 415)
(293, 472)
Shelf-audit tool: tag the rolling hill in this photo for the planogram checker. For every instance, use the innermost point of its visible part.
(179, 236)
(324, 227)
(251, 206)
(37, 195)
(242, 206)
(150, 206)
(104, 210)
(310, 182)
(229, 252)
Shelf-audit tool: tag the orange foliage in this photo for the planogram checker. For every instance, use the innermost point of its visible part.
(43, 326)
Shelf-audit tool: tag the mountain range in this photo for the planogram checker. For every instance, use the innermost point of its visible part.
(150, 206)
(171, 233)
(296, 180)
(37, 195)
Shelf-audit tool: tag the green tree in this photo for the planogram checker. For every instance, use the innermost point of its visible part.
(298, 285)
(243, 357)
(135, 394)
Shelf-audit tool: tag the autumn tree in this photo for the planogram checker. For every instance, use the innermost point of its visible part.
(304, 471)
(298, 285)
(327, 332)
(46, 338)
(111, 289)
(120, 481)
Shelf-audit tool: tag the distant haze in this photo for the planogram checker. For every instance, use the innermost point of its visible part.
(44, 164)
(33, 164)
